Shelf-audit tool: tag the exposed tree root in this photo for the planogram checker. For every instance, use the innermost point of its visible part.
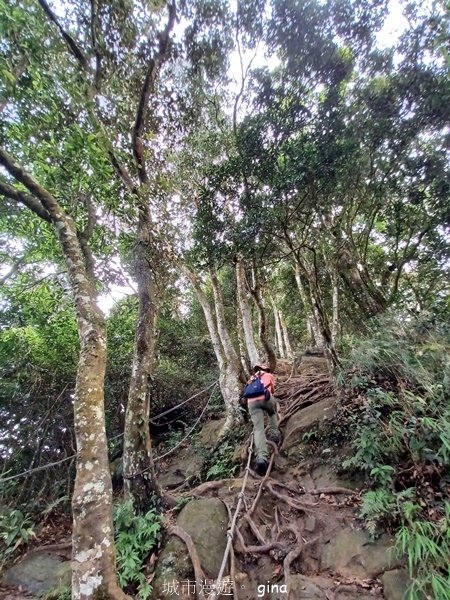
(294, 553)
(331, 490)
(198, 571)
(203, 488)
(286, 486)
(244, 549)
(261, 485)
(307, 507)
(315, 396)
(255, 530)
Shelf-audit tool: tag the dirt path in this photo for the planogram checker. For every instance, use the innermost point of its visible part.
(299, 535)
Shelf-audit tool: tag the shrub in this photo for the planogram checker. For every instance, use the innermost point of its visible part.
(396, 408)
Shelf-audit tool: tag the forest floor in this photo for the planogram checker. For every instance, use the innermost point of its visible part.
(299, 534)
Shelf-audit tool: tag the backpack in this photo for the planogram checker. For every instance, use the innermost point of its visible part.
(254, 388)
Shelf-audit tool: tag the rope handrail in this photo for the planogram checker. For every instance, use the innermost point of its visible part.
(48, 465)
(169, 410)
(157, 458)
(230, 533)
(67, 458)
(189, 432)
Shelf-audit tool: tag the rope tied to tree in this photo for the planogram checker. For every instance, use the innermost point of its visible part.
(67, 458)
(216, 588)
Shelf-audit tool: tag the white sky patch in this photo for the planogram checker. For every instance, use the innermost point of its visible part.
(395, 24)
(116, 293)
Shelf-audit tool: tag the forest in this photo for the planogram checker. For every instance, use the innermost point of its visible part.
(190, 188)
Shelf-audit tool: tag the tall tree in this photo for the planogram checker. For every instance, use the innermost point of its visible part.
(94, 569)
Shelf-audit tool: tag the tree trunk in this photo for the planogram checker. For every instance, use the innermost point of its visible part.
(363, 291)
(93, 548)
(287, 342)
(244, 309)
(243, 354)
(321, 317)
(335, 319)
(312, 325)
(227, 345)
(229, 375)
(263, 335)
(140, 481)
(278, 332)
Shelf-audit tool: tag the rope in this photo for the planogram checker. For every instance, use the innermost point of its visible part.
(63, 460)
(230, 532)
(190, 430)
(47, 466)
(166, 412)
(175, 447)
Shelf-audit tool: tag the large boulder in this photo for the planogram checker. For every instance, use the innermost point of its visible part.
(184, 469)
(206, 521)
(39, 572)
(210, 432)
(305, 418)
(352, 553)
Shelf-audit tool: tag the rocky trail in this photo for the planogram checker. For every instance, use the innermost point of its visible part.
(298, 534)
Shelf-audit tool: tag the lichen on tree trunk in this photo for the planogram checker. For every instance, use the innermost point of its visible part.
(244, 309)
(93, 549)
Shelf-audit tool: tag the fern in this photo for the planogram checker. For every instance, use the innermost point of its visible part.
(135, 536)
(426, 546)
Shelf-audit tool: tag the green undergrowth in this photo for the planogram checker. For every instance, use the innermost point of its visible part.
(394, 420)
(16, 529)
(221, 462)
(135, 536)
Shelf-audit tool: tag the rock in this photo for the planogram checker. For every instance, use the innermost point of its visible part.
(310, 524)
(39, 572)
(186, 467)
(205, 520)
(305, 418)
(314, 365)
(305, 587)
(325, 476)
(210, 432)
(352, 553)
(172, 477)
(395, 584)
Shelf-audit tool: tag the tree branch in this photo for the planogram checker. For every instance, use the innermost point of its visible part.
(148, 88)
(98, 56)
(72, 45)
(44, 205)
(15, 267)
(17, 73)
(32, 203)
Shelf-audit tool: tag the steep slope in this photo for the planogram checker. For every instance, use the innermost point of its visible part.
(298, 535)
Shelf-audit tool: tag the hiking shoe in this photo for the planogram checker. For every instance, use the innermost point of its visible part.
(274, 436)
(261, 466)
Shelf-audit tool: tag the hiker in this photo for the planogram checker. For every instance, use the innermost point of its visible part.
(257, 406)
